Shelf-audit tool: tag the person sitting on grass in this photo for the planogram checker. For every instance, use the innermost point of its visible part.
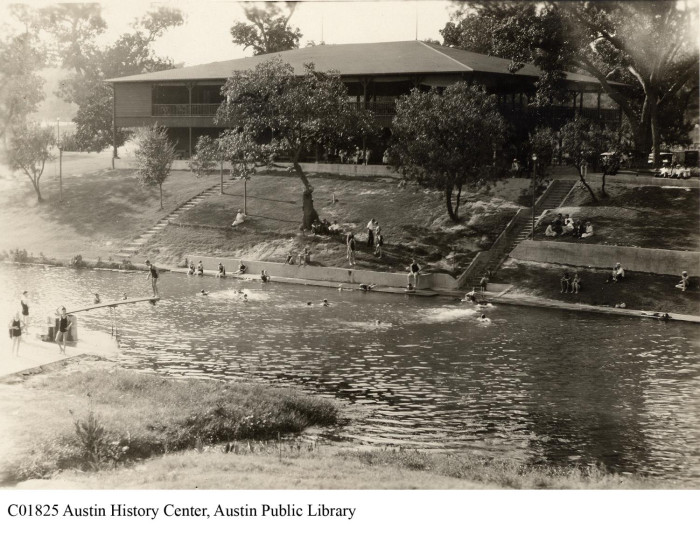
(335, 227)
(617, 275)
(240, 219)
(242, 268)
(549, 231)
(576, 283)
(558, 224)
(564, 282)
(568, 227)
(683, 285)
(588, 230)
(290, 258)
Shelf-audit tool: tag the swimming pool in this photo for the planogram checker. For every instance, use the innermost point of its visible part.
(536, 385)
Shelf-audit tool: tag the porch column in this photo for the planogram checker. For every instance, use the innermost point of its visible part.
(580, 102)
(114, 125)
(599, 104)
(190, 142)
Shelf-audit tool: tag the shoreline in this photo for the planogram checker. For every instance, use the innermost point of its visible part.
(506, 294)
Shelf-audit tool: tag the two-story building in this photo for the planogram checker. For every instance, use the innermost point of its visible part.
(185, 100)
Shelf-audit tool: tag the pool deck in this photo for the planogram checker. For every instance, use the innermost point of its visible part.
(499, 293)
(35, 356)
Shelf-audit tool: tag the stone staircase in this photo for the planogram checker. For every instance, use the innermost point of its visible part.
(519, 229)
(132, 247)
(553, 198)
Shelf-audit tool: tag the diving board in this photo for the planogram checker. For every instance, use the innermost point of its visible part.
(152, 300)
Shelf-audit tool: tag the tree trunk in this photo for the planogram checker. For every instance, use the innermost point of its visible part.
(448, 202)
(459, 195)
(603, 193)
(160, 186)
(588, 187)
(310, 214)
(652, 97)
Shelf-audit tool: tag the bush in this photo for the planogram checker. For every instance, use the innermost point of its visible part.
(77, 262)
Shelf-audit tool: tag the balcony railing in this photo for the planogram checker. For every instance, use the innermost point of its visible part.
(378, 108)
(184, 110)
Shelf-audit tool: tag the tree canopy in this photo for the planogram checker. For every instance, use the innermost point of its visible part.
(447, 140)
(649, 45)
(28, 151)
(294, 114)
(73, 29)
(267, 29)
(154, 157)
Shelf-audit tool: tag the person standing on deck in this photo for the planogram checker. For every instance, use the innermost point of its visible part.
(16, 333)
(24, 302)
(63, 329)
(153, 275)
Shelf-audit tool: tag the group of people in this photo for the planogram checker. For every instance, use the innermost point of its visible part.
(199, 269)
(566, 226)
(19, 325)
(303, 257)
(570, 284)
(323, 226)
(673, 171)
(375, 240)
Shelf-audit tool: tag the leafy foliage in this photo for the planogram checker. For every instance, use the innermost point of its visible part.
(154, 157)
(20, 86)
(267, 29)
(29, 150)
(447, 140)
(295, 113)
(73, 29)
(649, 45)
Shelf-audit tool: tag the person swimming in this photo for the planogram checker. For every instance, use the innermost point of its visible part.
(366, 287)
(97, 299)
(325, 303)
(203, 292)
(245, 298)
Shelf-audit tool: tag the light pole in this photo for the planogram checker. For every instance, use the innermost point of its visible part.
(534, 182)
(60, 159)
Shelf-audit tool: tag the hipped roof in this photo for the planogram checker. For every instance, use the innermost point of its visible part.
(359, 59)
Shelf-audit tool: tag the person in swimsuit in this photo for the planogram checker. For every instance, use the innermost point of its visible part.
(221, 271)
(351, 246)
(264, 276)
(153, 275)
(242, 268)
(24, 301)
(97, 299)
(413, 271)
(200, 269)
(64, 326)
(16, 334)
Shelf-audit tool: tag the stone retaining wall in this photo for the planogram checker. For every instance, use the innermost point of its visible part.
(331, 274)
(659, 261)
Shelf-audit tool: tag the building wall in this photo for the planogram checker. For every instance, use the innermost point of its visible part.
(659, 261)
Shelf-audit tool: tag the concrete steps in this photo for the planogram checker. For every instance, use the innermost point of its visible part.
(131, 248)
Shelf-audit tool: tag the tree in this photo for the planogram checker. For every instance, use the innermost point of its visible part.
(20, 85)
(295, 113)
(447, 140)
(154, 157)
(649, 45)
(73, 28)
(29, 150)
(267, 29)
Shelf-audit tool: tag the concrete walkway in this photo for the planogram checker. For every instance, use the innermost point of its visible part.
(35, 355)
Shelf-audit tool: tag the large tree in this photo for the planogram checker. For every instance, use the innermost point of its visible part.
(21, 57)
(295, 112)
(73, 29)
(649, 45)
(447, 140)
(28, 151)
(267, 29)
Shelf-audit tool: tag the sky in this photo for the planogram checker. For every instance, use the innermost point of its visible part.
(205, 37)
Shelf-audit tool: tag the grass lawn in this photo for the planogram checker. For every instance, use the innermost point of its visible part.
(641, 291)
(651, 217)
(101, 211)
(413, 223)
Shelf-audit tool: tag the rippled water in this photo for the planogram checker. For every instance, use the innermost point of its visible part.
(532, 384)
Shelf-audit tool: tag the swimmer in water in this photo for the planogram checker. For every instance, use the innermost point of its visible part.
(366, 287)
(308, 303)
(470, 297)
(245, 298)
(325, 303)
(124, 297)
(97, 299)
(203, 292)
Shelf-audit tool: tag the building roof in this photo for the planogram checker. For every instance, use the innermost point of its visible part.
(358, 59)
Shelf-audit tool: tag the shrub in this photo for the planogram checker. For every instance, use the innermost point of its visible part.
(77, 262)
